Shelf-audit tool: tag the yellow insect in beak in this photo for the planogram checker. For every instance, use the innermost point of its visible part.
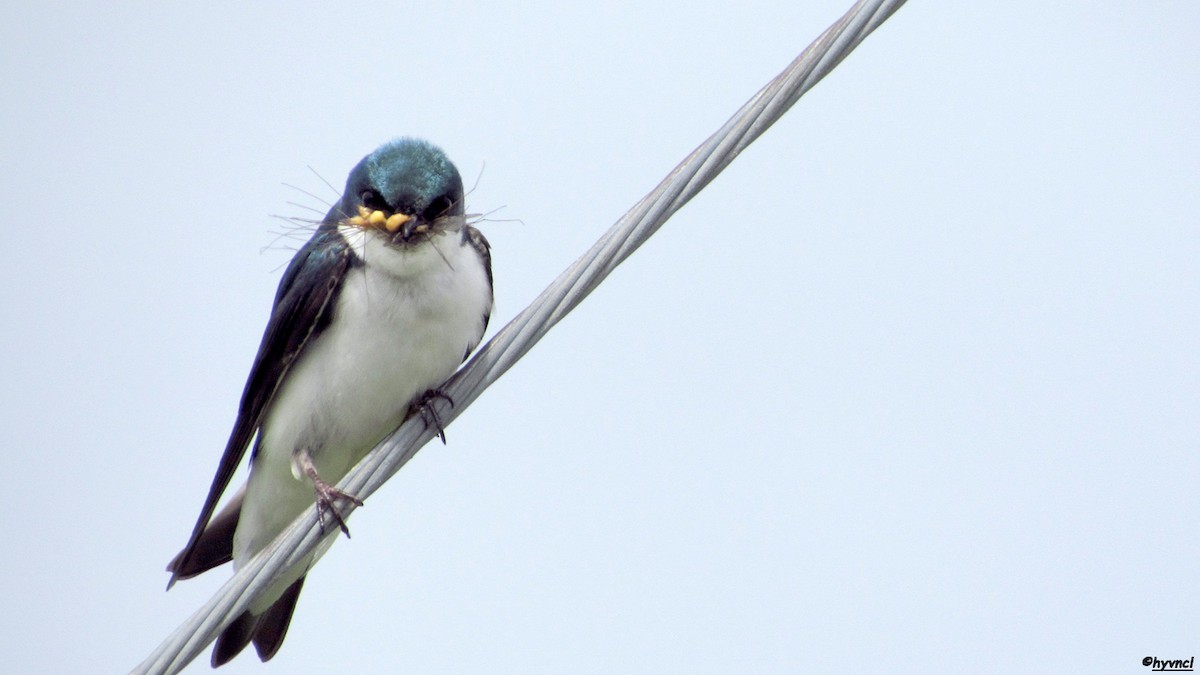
(395, 220)
(376, 219)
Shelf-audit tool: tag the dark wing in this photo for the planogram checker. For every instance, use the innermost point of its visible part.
(476, 239)
(303, 305)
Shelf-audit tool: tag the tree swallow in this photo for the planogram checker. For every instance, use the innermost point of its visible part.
(378, 309)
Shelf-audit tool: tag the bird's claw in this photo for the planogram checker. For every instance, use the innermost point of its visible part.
(326, 496)
(423, 406)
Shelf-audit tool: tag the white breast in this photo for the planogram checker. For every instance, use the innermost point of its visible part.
(401, 326)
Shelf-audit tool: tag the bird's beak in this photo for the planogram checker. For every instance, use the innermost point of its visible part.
(412, 225)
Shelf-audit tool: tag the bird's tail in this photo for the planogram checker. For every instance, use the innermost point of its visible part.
(265, 630)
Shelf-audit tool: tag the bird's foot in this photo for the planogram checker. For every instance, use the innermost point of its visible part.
(424, 407)
(327, 494)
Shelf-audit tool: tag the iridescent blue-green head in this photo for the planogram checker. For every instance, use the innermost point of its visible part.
(404, 189)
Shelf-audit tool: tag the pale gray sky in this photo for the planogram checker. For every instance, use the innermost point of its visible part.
(913, 387)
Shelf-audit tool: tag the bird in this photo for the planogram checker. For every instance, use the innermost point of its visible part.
(389, 296)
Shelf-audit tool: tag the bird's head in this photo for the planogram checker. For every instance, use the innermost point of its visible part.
(407, 190)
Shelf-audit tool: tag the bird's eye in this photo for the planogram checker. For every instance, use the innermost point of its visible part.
(438, 208)
(373, 200)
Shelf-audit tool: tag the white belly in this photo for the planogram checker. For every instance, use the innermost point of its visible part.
(401, 326)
